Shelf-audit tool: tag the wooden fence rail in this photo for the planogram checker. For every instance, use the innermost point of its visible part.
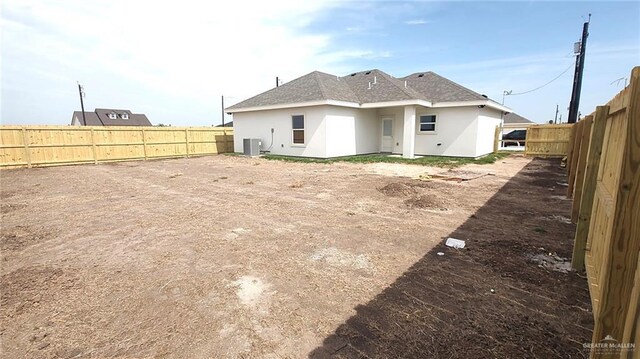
(39, 146)
(604, 181)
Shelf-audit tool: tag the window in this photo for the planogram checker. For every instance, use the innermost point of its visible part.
(297, 125)
(125, 116)
(113, 116)
(387, 127)
(427, 123)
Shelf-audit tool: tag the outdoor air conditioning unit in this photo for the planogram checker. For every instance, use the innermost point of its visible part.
(251, 147)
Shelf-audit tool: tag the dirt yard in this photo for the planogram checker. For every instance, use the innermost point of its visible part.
(229, 257)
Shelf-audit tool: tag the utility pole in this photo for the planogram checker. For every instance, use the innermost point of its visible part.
(555, 120)
(577, 76)
(222, 110)
(81, 92)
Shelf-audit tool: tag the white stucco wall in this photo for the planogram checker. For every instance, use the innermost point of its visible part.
(332, 131)
(455, 133)
(488, 119)
(351, 131)
(259, 124)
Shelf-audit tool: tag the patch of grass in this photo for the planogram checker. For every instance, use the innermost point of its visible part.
(540, 230)
(435, 161)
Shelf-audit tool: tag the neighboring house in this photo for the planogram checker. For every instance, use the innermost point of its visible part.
(322, 115)
(226, 124)
(109, 117)
(512, 118)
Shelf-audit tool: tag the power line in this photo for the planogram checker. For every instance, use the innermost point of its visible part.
(539, 87)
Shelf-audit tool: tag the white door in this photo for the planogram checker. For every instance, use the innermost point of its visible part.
(387, 135)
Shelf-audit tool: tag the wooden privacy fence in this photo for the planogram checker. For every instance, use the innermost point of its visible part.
(548, 140)
(541, 140)
(35, 146)
(604, 181)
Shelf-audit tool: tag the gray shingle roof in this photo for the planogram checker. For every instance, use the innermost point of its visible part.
(100, 117)
(363, 87)
(315, 86)
(439, 89)
(515, 118)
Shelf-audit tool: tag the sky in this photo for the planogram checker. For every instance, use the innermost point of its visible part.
(173, 60)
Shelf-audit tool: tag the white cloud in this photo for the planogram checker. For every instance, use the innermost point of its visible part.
(416, 22)
(190, 51)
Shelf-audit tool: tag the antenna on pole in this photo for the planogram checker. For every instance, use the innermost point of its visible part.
(82, 94)
(577, 77)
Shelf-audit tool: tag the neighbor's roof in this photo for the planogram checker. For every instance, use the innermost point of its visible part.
(373, 86)
(515, 118)
(100, 117)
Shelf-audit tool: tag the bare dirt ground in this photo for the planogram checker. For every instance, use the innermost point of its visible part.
(229, 257)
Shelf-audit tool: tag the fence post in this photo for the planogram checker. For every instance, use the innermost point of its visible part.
(27, 151)
(144, 143)
(574, 158)
(496, 139)
(572, 139)
(582, 165)
(589, 187)
(526, 141)
(186, 136)
(93, 147)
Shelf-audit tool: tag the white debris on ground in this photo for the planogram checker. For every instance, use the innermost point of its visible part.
(335, 257)
(455, 243)
(552, 261)
(400, 170)
(250, 289)
(562, 219)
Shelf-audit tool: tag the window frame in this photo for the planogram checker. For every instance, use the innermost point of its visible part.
(303, 129)
(435, 124)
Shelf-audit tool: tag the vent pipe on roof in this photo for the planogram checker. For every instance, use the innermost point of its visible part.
(375, 80)
(369, 85)
(405, 83)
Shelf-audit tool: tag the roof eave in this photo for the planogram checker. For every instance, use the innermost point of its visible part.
(487, 103)
(292, 105)
(397, 103)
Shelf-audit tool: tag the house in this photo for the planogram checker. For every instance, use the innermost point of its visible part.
(109, 117)
(322, 115)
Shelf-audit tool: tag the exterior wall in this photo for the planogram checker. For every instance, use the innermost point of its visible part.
(259, 124)
(488, 119)
(455, 134)
(351, 131)
(333, 131)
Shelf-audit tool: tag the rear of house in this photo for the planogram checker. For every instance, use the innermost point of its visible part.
(321, 115)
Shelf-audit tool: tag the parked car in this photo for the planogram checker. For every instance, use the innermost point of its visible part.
(514, 138)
